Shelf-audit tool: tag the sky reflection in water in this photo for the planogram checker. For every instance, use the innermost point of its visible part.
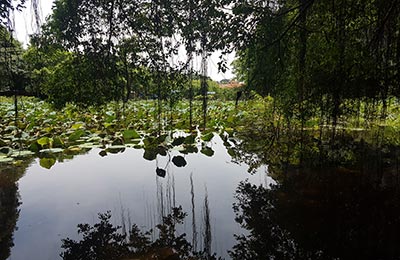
(55, 201)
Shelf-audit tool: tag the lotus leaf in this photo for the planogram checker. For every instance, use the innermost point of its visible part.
(150, 154)
(130, 134)
(47, 162)
(207, 137)
(20, 154)
(76, 135)
(161, 172)
(179, 161)
(45, 141)
(178, 141)
(4, 159)
(52, 150)
(207, 151)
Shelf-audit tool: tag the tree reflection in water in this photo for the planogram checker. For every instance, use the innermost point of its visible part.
(9, 203)
(330, 215)
(105, 241)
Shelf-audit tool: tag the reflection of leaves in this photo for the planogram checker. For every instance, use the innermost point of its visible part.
(190, 139)
(231, 152)
(115, 149)
(207, 151)
(161, 172)
(150, 142)
(162, 150)
(190, 149)
(178, 141)
(47, 162)
(103, 240)
(255, 211)
(150, 154)
(179, 161)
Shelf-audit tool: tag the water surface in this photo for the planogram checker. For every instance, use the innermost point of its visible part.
(54, 201)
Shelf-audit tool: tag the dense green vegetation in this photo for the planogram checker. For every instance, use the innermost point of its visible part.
(254, 126)
(321, 93)
(322, 59)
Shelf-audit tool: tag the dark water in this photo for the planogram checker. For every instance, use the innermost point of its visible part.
(327, 211)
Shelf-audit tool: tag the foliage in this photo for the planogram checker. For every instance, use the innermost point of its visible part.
(12, 68)
(315, 55)
(53, 135)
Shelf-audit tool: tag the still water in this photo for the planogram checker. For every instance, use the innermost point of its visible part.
(54, 201)
(344, 205)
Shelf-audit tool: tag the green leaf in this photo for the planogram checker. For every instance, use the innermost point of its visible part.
(76, 135)
(207, 137)
(231, 152)
(178, 141)
(190, 139)
(52, 150)
(58, 142)
(130, 134)
(4, 159)
(34, 147)
(24, 153)
(6, 150)
(47, 162)
(150, 154)
(207, 151)
(44, 141)
(76, 126)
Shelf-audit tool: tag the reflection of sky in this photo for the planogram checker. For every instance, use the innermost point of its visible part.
(55, 201)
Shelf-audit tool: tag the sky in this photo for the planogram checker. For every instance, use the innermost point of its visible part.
(25, 25)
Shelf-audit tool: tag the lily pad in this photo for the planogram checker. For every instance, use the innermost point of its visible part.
(179, 161)
(178, 141)
(20, 154)
(52, 150)
(161, 172)
(47, 162)
(207, 151)
(77, 126)
(89, 145)
(207, 137)
(4, 159)
(6, 150)
(150, 154)
(189, 149)
(231, 152)
(44, 141)
(130, 134)
(190, 139)
(115, 149)
(76, 135)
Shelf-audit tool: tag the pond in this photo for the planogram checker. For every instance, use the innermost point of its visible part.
(237, 205)
(54, 201)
